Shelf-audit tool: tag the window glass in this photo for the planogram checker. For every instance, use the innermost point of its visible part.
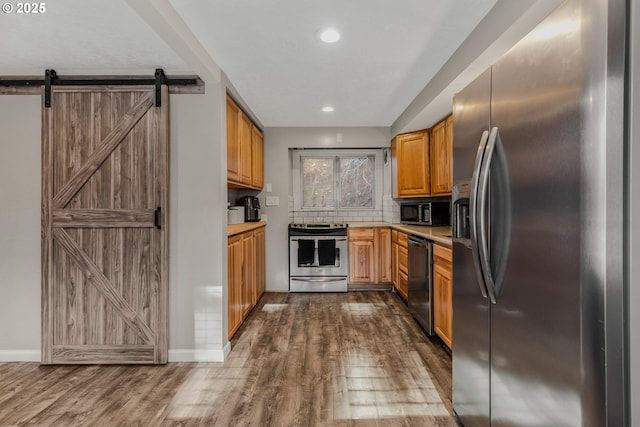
(318, 182)
(357, 180)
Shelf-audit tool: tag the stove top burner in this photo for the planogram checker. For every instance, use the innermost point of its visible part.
(319, 226)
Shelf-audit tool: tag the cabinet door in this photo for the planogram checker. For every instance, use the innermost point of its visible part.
(412, 150)
(233, 141)
(394, 264)
(246, 167)
(234, 306)
(394, 258)
(442, 316)
(441, 147)
(403, 265)
(257, 158)
(403, 284)
(260, 263)
(248, 273)
(403, 259)
(383, 258)
(361, 261)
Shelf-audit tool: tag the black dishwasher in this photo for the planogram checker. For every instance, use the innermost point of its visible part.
(420, 287)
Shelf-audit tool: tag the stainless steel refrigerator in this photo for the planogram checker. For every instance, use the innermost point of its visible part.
(538, 201)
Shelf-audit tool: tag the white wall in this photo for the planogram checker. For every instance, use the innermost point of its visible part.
(277, 172)
(197, 248)
(198, 236)
(20, 227)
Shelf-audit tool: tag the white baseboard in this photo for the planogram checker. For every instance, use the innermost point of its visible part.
(194, 355)
(19, 355)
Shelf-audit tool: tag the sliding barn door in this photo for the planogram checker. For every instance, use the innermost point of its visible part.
(104, 226)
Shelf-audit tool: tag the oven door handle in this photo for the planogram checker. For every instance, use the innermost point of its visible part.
(333, 279)
(322, 238)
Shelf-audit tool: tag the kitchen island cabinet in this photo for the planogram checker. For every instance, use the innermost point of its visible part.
(246, 270)
(442, 292)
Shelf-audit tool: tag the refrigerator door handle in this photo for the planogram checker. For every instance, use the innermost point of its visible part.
(473, 220)
(483, 193)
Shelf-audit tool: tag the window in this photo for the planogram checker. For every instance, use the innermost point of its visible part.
(318, 182)
(336, 179)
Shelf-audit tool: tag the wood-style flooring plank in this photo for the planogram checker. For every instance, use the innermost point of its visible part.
(349, 359)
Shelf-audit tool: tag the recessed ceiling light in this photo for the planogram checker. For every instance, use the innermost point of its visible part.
(330, 35)
(327, 109)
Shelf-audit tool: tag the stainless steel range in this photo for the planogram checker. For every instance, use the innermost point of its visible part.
(318, 258)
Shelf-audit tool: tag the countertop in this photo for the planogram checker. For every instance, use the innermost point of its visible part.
(440, 235)
(244, 227)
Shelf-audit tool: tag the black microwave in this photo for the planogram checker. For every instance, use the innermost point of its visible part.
(426, 213)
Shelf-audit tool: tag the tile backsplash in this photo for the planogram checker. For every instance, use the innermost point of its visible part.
(369, 215)
(390, 213)
(390, 210)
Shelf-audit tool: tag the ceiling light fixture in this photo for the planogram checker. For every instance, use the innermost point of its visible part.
(330, 35)
(327, 109)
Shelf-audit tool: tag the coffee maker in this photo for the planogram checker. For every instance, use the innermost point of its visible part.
(251, 208)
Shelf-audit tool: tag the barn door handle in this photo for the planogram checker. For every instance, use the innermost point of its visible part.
(156, 218)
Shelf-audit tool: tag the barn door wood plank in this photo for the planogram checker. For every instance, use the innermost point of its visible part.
(106, 147)
(161, 240)
(103, 218)
(102, 284)
(46, 238)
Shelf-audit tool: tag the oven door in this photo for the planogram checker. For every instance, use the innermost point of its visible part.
(318, 256)
(318, 284)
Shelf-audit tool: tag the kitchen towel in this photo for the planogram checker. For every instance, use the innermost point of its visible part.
(306, 251)
(327, 252)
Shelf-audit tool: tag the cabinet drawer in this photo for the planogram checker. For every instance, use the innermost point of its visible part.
(403, 239)
(361, 233)
(403, 259)
(442, 255)
(403, 284)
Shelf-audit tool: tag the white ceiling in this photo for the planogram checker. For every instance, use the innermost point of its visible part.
(388, 52)
(83, 37)
(398, 62)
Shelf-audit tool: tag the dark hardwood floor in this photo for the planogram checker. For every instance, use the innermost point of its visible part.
(354, 359)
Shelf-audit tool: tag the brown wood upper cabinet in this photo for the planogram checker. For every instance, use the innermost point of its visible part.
(441, 150)
(245, 150)
(369, 252)
(257, 158)
(421, 161)
(410, 159)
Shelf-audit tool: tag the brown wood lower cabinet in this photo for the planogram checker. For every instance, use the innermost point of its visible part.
(369, 253)
(400, 262)
(246, 266)
(261, 263)
(383, 254)
(235, 255)
(361, 255)
(442, 310)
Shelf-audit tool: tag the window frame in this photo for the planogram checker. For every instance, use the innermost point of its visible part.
(336, 154)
